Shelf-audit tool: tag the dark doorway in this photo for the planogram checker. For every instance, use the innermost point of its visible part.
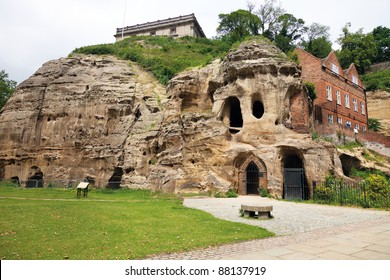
(115, 181)
(252, 178)
(258, 109)
(294, 178)
(236, 121)
(36, 178)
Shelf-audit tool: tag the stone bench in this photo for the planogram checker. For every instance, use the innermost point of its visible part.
(257, 211)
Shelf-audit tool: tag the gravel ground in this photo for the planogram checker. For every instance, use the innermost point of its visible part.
(288, 217)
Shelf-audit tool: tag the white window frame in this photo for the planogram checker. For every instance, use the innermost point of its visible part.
(335, 68)
(364, 128)
(355, 80)
(340, 121)
(329, 93)
(357, 126)
(338, 97)
(363, 108)
(346, 99)
(355, 105)
(330, 118)
(348, 124)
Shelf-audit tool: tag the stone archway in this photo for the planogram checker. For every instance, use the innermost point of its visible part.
(248, 182)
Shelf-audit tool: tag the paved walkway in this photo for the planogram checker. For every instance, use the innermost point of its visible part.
(304, 231)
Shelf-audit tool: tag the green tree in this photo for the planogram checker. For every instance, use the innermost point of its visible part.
(238, 25)
(357, 48)
(269, 13)
(382, 40)
(288, 30)
(7, 87)
(374, 124)
(317, 40)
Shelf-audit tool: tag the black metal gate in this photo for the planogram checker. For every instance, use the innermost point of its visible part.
(294, 183)
(252, 179)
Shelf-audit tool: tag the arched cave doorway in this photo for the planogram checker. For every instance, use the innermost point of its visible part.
(35, 180)
(294, 177)
(232, 114)
(115, 181)
(252, 174)
(252, 178)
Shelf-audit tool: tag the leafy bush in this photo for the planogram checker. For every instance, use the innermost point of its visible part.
(231, 193)
(311, 90)
(379, 80)
(378, 190)
(264, 192)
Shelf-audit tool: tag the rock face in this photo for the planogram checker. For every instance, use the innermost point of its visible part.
(378, 108)
(239, 124)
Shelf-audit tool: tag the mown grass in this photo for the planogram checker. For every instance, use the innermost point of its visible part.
(51, 224)
(163, 56)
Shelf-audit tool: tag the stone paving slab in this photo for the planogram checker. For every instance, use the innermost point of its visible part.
(344, 234)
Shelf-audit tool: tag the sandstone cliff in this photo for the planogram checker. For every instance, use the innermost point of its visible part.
(241, 124)
(378, 108)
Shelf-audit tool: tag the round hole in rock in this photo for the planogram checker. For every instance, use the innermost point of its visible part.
(258, 109)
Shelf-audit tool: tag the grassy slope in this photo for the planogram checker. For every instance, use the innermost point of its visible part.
(163, 56)
(128, 224)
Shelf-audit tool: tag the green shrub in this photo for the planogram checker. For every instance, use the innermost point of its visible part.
(264, 192)
(378, 190)
(231, 193)
(379, 80)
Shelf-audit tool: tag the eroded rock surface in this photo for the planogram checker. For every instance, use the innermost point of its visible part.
(241, 124)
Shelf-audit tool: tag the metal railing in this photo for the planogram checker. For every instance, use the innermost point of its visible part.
(341, 193)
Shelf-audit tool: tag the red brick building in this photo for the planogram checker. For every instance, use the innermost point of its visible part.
(341, 102)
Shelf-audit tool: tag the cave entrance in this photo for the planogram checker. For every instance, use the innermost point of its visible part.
(257, 109)
(348, 163)
(115, 181)
(294, 177)
(232, 115)
(252, 178)
(35, 180)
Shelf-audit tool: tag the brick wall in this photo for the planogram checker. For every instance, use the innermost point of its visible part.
(320, 73)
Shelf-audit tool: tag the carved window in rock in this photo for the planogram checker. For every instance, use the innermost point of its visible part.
(257, 109)
(232, 115)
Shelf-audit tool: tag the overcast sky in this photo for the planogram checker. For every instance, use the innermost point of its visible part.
(35, 31)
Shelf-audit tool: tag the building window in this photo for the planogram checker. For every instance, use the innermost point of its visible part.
(340, 121)
(364, 128)
(153, 33)
(355, 80)
(330, 118)
(338, 97)
(357, 126)
(363, 108)
(348, 124)
(173, 31)
(335, 68)
(355, 105)
(346, 100)
(329, 93)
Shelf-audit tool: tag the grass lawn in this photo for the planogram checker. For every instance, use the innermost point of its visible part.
(51, 224)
